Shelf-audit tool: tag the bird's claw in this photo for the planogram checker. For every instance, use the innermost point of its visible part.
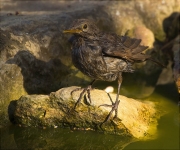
(87, 89)
(75, 90)
(114, 107)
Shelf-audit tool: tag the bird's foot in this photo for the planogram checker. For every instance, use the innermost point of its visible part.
(87, 89)
(114, 107)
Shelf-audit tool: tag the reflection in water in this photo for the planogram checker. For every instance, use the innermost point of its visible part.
(32, 138)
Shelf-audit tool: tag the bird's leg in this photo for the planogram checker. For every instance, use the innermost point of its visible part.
(88, 88)
(114, 104)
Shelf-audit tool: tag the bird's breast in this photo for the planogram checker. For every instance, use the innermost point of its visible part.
(89, 61)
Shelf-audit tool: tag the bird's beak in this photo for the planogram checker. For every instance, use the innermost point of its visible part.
(72, 31)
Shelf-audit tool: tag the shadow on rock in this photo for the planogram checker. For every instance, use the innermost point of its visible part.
(171, 25)
(39, 77)
(11, 110)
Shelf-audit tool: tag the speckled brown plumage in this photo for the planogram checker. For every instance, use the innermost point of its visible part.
(103, 56)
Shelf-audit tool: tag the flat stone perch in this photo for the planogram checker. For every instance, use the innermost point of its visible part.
(138, 119)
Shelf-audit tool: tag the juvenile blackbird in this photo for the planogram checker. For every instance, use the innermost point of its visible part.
(103, 56)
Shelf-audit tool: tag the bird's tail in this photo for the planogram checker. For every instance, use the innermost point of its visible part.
(156, 62)
(134, 53)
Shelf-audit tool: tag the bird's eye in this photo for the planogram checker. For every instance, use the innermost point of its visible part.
(85, 26)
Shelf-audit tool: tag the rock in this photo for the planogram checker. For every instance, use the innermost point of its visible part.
(11, 89)
(149, 10)
(147, 36)
(137, 119)
(148, 13)
(166, 76)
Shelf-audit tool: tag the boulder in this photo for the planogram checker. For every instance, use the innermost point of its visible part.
(137, 119)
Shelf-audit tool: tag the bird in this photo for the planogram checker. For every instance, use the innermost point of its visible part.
(103, 56)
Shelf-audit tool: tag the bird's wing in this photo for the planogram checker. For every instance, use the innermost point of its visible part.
(125, 47)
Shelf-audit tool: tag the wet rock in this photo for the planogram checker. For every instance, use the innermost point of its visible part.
(137, 119)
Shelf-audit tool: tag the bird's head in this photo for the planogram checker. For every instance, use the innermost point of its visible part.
(84, 28)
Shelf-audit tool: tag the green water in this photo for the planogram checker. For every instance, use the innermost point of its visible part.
(167, 136)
